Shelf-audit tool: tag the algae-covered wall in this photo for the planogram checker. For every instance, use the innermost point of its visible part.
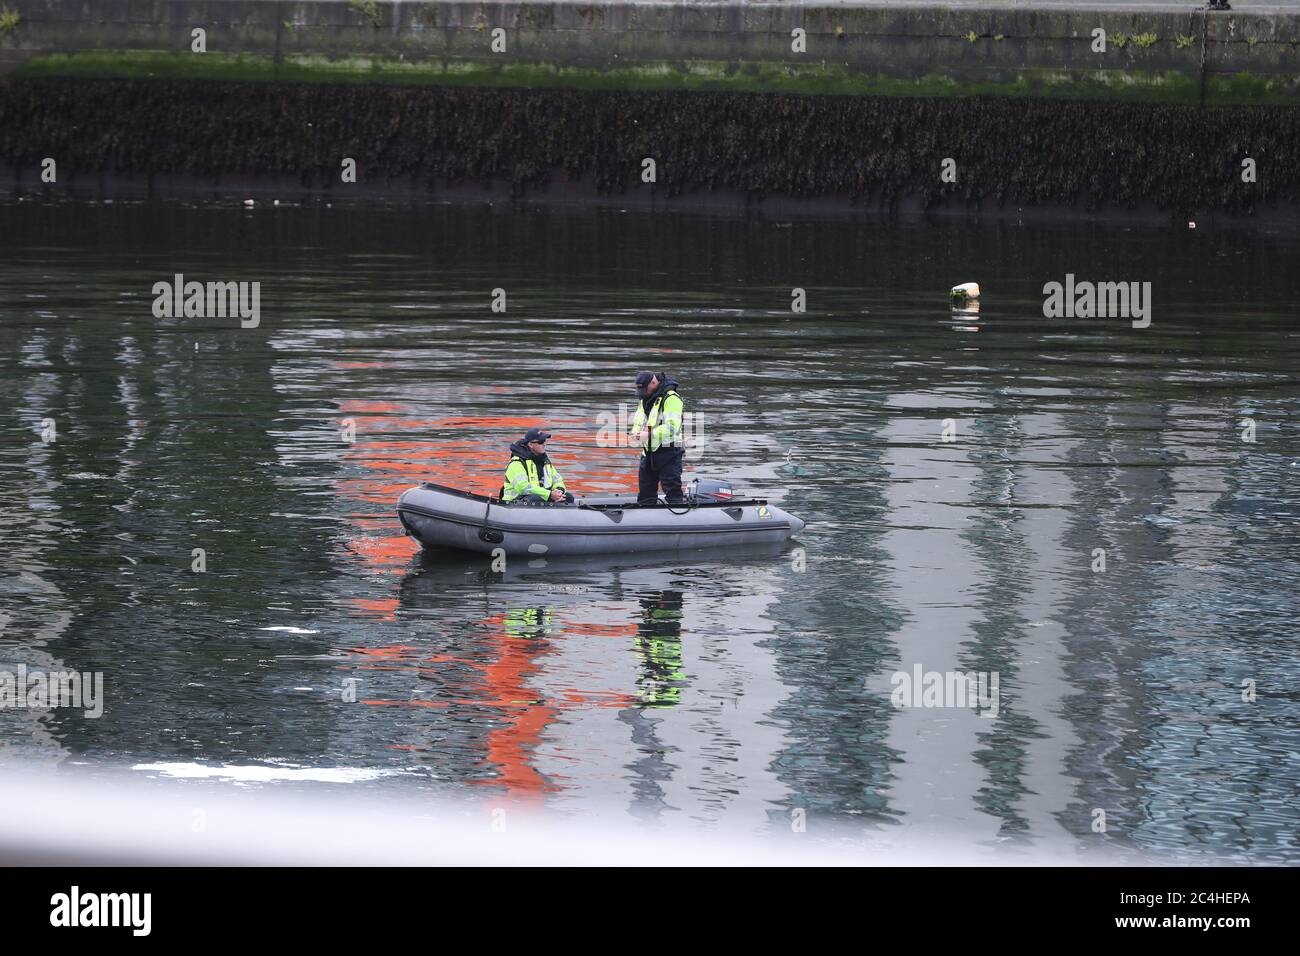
(858, 151)
(1166, 53)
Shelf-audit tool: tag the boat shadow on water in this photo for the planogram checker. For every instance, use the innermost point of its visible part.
(437, 575)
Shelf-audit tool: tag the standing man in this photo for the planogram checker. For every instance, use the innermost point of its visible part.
(657, 428)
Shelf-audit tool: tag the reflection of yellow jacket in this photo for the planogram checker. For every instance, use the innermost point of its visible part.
(528, 622)
(659, 645)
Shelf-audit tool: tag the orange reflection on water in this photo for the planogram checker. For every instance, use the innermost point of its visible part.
(510, 746)
(606, 698)
(602, 630)
(381, 609)
(404, 657)
(391, 652)
(474, 462)
(353, 405)
(390, 551)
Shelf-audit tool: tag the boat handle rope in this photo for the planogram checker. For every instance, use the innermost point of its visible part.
(488, 533)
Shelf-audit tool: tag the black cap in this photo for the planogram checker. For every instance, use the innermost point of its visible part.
(535, 434)
(643, 378)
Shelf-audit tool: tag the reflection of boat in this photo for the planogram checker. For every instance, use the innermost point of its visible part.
(440, 517)
(437, 573)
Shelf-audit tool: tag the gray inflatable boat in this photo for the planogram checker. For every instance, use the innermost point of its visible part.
(441, 517)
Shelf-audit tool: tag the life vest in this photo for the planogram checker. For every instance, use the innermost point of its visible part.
(664, 422)
(522, 478)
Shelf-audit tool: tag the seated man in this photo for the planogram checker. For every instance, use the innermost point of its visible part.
(530, 476)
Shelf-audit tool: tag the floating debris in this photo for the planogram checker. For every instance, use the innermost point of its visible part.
(1161, 521)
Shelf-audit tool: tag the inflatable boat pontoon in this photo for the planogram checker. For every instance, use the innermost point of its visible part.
(441, 517)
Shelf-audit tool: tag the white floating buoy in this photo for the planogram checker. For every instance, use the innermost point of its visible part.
(1191, 224)
(967, 290)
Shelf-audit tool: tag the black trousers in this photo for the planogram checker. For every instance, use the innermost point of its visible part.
(663, 467)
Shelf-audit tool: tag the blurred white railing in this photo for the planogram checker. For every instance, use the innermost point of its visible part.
(76, 818)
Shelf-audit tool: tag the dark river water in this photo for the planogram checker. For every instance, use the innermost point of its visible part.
(727, 690)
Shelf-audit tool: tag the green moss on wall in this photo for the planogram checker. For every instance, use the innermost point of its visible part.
(764, 77)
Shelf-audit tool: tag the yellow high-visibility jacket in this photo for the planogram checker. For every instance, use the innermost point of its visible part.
(522, 479)
(664, 422)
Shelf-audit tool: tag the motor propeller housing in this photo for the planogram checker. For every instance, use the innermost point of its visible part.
(711, 489)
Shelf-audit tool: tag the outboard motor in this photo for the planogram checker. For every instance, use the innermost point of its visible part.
(710, 489)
